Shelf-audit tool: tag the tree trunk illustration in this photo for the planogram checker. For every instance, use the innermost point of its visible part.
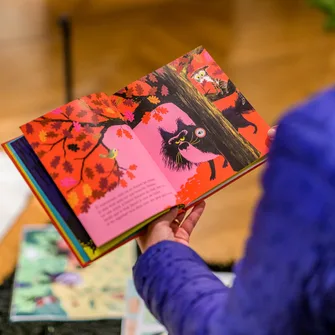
(238, 151)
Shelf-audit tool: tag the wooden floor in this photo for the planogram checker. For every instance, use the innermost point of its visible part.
(275, 51)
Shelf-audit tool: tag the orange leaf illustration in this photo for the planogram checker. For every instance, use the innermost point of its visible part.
(109, 110)
(130, 175)
(87, 190)
(146, 117)
(164, 91)
(127, 134)
(119, 132)
(42, 135)
(114, 113)
(130, 93)
(73, 199)
(158, 117)
(152, 78)
(123, 183)
(118, 100)
(154, 100)
(162, 110)
(133, 167)
(139, 89)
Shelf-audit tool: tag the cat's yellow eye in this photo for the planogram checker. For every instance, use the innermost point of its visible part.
(197, 77)
(202, 73)
(177, 142)
(182, 139)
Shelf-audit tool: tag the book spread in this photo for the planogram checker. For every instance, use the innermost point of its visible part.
(104, 166)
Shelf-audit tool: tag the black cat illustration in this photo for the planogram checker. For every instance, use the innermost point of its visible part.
(189, 145)
(235, 113)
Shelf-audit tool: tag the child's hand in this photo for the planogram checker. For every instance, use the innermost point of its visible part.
(167, 228)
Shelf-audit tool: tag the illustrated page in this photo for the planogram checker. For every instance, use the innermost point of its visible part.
(197, 126)
(106, 175)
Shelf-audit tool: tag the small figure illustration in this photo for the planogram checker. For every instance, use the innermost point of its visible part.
(202, 76)
(112, 154)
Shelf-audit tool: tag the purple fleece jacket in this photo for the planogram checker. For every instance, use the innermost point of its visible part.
(285, 283)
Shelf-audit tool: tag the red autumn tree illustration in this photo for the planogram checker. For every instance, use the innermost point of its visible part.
(70, 139)
(175, 83)
(203, 100)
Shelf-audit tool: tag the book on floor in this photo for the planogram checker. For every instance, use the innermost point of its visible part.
(49, 284)
(104, 166)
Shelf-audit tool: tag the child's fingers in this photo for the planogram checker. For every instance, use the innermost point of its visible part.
(179, 219)
(193, 218)
(272, 132)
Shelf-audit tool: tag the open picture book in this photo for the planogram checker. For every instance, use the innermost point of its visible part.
(104, 166)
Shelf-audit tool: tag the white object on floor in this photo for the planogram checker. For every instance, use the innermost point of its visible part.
(14, 194)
